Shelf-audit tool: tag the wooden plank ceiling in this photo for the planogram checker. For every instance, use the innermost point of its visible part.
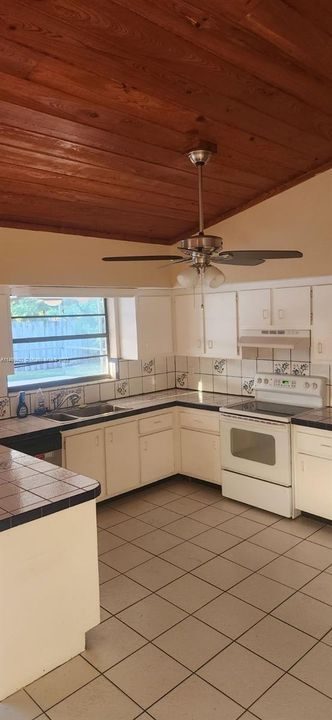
(99, 99)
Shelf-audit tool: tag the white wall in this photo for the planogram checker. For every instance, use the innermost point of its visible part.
(297, 219)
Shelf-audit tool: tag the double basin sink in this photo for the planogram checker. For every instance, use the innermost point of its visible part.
(93, 410)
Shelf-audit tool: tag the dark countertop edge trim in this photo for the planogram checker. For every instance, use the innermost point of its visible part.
(83, 422)
(318, 424)
(37, 513)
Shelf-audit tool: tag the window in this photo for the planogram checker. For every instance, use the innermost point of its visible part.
(58, 339)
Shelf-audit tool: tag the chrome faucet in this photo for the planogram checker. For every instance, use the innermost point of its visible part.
(59, 401)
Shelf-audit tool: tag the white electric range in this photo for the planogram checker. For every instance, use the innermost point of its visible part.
(256, 440)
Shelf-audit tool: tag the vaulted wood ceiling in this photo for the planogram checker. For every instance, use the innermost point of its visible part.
(99, 99)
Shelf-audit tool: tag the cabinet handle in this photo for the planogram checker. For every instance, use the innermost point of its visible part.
(265, 314)
(145, 445)
(111, 437)
(281, 314)
(210, 344)
(97, 441)
(156, 422)
(319, 348)
(302, 465)
(324, 445)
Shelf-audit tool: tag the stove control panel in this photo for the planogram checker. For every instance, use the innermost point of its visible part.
(290, 384)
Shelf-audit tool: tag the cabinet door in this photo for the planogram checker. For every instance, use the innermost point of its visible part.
(188, 325)
(254, 309)
(321, 348)
(200, 455)
(6, 343)
(291, 307)
(122, 458)
(157, 456)
(221, 325)
(313, 485)
(154, 326)
(84, 454)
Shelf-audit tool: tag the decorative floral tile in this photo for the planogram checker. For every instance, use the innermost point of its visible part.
(281, 368)
(181, 380)
(248, 386)
(148, 367)
(121, 389)
(300, 368)
(219, 367)
(4, 407)
(66, 397)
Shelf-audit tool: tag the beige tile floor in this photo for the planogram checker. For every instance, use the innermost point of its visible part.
(209, 609)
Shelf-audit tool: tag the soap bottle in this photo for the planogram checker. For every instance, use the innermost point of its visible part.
(41, 408)
(22, 408)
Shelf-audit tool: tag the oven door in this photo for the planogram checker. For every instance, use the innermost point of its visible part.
(257, 448)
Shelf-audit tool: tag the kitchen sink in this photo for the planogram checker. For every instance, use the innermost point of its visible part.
(86, 411)
(60, 416)
(102, 408)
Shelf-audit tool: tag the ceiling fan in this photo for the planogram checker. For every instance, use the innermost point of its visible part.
(203, 251)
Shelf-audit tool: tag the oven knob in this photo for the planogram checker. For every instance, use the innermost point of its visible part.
(259, 380)
(266, 380)
(315, 386)
(306, 385)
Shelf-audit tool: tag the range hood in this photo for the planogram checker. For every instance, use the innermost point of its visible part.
(275, 338)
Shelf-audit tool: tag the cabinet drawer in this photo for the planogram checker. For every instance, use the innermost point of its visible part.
(319, 445)
(200, 421)
(153, 424)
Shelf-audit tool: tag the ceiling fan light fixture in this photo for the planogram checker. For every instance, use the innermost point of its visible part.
(213, 277)
(188, 278)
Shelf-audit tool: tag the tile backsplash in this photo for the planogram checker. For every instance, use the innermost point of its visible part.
(136, 377)
(236, 376)
(129, 377)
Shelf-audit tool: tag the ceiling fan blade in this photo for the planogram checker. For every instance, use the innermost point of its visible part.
(133, 258)
(263, 254)
(176, 262)
(236, 260)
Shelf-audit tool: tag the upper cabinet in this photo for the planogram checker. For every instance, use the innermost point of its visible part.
(6, 342)
(287, 307)
(188, 316)
(321, 336)
(210, 329)
(144, 326)
(254, 309)
(220, 318)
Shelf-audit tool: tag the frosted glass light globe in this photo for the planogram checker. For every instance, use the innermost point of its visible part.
(213, 277)
(188, 278)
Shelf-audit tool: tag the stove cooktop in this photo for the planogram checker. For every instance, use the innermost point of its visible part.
(256, 407)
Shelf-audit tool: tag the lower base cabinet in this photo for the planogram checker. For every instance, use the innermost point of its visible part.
(84, 454)
(122, 458)
(200, 455)
(157, 456)
(313, 485)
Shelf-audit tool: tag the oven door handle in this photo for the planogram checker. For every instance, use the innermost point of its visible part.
(245, 419)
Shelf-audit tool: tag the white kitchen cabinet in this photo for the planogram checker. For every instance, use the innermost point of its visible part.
(254, 309)
(200, 455)
(321, 335)
(287, 307)
(188, 325)
(313, 470)
(291, 307)
(209, 330)
(313, 485)
(122, 458)
(157, 456)
(6, 342)
(220, 317)
(84, 454)
(144, 326)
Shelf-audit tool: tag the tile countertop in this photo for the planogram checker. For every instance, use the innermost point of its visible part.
(31, 488)
(320, 419)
